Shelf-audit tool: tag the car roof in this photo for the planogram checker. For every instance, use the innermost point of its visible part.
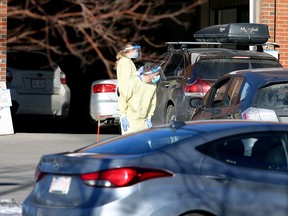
(224, 52)
(207, 130)
(263, 74)
(210, 126)
(226, 127)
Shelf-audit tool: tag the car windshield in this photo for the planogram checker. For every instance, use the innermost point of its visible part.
(140, 142)
(275, 95)
(215, 68)
(28, 61)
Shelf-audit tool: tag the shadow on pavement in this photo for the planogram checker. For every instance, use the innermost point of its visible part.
(74, 125)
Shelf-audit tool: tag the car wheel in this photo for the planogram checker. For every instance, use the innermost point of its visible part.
(170, 114)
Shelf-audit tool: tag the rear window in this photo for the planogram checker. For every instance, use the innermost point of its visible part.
(275, 95)
(28, 61)
(215, 68)
(141, 142)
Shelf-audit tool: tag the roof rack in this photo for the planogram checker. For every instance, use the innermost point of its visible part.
(184, 45)
(194, 43)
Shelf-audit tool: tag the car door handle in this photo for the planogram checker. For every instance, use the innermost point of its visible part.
(221, 178)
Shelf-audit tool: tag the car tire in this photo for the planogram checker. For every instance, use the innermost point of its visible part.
(170, 114)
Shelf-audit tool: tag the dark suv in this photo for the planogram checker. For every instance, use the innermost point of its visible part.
(189, 71)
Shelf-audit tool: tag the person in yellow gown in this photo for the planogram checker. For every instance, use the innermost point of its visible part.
(125, 67)
(137, 101)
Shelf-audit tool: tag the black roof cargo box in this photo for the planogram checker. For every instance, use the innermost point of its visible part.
(240, 33)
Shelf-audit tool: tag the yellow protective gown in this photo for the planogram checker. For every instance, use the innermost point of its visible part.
(137, 103)
(125, 70)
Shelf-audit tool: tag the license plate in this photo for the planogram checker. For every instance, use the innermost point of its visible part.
(60, 185)
(38, 83)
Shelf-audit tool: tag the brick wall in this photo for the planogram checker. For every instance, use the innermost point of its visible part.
(3, 36)
(278, 25)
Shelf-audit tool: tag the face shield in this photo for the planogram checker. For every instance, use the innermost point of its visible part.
(153, 71)
(135, 50)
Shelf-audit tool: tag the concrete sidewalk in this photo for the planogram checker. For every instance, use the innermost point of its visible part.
(20, 153)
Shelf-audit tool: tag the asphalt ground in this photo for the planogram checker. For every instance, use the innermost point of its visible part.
(21, 151)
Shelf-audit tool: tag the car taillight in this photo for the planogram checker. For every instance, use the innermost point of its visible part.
(198, 89)
(259, 114)
(103, 88)
(39, 175)
(121, 177)
(9, 76)
(63, 77)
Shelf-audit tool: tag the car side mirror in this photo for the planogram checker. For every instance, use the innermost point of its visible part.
(196, 102)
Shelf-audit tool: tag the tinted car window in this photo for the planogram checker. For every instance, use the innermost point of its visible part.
(218, 94)
(215, 68)
(174, 66)
(232, 96)
(263, 64)
(271, 96)
(22, 61)
(263, 151)
(141, 143)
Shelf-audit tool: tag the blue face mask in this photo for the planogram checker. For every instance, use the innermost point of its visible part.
(156, 78)
(135, 55)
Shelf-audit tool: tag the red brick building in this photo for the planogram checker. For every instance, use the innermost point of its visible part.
(3, 34)
(274, 13)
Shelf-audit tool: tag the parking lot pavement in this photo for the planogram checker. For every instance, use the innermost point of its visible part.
(21, 152)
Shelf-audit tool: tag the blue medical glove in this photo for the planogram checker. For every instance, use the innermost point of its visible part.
(149, 122)
(140, 70)
(125, 123)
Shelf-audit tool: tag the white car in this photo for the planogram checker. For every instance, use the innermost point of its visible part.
(37, 85)
(104, 102)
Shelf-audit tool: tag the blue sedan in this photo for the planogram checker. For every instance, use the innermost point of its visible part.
(252, 94)
(203, 168)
